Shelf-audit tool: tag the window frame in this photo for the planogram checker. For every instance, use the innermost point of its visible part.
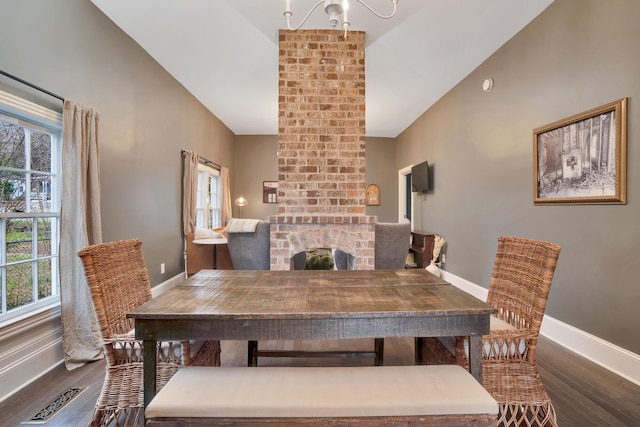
(208, 198)
(33, 117)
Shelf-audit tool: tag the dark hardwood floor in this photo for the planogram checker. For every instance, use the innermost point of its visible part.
(583, 393)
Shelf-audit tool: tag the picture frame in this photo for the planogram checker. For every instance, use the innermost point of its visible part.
(372, 196)
(583, 158)
(269, 191)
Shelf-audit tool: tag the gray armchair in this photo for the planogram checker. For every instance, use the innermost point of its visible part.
(250, 250)
(392, 245)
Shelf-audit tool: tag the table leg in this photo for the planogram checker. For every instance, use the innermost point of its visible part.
(419, 351)
(252, 358)
(215, 257)
(149, 373)
(379, 349)
(475, 357)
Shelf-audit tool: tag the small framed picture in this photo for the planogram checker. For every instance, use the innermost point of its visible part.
(269, 191)
(583, 158)
(372, 195)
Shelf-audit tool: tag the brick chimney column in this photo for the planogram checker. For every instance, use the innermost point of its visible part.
(321, 122)
(321, 147)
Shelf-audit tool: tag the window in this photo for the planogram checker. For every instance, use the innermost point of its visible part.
(30, 150)
(209, 198)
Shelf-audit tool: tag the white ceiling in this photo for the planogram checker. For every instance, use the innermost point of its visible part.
(225, 52)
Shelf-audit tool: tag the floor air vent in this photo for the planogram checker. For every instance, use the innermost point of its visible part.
(55, 406)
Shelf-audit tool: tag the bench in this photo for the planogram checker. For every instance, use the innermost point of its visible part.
(442, 395)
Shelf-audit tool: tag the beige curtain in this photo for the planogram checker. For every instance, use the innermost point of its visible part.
(189, 192)
(80, 226)
(226, 195)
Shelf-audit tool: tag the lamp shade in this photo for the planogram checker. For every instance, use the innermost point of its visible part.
(241, 201)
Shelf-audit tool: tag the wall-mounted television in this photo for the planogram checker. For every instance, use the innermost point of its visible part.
(420, 177)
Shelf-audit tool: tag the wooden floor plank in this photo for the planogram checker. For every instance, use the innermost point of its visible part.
(585, 393)
(28, 401)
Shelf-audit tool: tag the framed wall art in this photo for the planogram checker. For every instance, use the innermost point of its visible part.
(372, 197)
(583, 158)
(269, 191)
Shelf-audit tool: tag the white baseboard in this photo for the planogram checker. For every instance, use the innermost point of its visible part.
(29, 360)
(616, 359)
(37, 349)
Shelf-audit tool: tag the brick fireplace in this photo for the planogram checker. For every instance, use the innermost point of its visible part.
(321, 148)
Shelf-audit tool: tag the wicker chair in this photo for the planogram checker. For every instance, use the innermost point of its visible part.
(519, 289)
(118, 281)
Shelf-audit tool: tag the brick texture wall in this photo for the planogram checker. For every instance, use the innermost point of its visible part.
(321, 121)
(321, 148)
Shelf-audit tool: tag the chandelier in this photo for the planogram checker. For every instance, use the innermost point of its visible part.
(338, 11)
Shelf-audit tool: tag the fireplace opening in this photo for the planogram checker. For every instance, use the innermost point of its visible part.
(291, 236)
(323, 259)
(344, 260)
(314, 259)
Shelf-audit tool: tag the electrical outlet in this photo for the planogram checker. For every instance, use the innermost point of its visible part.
(162, 268)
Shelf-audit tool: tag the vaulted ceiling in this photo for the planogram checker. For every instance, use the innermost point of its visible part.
(225, 52)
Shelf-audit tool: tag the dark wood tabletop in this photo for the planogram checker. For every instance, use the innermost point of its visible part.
(310, 304)
(244, 294)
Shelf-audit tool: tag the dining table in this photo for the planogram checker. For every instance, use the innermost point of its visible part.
(309, 305)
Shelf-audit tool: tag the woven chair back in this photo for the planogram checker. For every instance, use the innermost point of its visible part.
(521, 280)
(118, 280)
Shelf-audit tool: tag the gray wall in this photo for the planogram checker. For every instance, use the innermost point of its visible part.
(256, 161)
(577, 55)
(70, 48)
(381, 154)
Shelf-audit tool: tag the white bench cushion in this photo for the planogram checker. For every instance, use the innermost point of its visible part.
(321, 392)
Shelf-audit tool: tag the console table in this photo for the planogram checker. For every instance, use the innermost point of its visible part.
(422, 247)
